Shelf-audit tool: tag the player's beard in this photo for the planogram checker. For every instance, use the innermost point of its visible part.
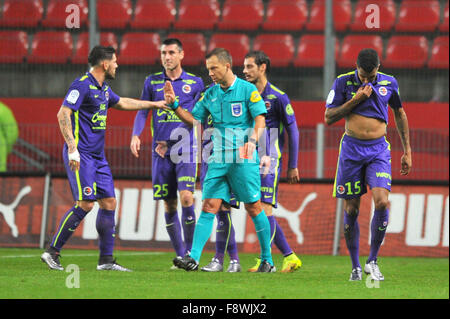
(110, 76)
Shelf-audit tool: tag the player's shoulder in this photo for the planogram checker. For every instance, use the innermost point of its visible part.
(273, 92)
(386, 79)
(346, 76)
(154, 78)
(192, 76)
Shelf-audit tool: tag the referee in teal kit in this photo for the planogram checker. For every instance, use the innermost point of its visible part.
(236, 108)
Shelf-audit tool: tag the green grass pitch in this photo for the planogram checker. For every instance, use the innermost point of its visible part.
(24, 276)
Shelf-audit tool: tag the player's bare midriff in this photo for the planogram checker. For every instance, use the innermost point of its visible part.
(364, 128)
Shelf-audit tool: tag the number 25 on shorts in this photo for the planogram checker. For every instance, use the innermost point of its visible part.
(158, 189)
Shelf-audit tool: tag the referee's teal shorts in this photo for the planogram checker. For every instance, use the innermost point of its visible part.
(242, 179)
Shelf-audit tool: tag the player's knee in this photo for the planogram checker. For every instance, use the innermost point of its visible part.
(186, 198)
(86, 205)
(381, 204)
(108, 203)
(170, 205)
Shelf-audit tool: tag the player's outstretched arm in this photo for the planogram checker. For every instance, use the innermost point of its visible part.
(334, 114)
(65, 125)
(129, 104)
(401, 121)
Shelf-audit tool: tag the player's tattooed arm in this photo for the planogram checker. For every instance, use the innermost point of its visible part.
(334, 114)
(129, 104)
(401, 121)
(65, 125)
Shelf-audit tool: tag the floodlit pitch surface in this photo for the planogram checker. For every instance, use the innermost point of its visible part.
(23, 276)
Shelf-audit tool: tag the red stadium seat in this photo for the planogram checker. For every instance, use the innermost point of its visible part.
(21, 13)
(439, 53)
(51, 47)
(56, 13)
(114, 14)
(387, 15)
(352, 44)
(443, 27)
(279, 47)
(241, 15)
(153, 14)
(311, 51)
(418, 16)
(342, 14)
(14, 46)
(139, 48)
(82, 48)
(198, 14)
(194, 47)
(406, 52)
(238, 44)
(286, 16)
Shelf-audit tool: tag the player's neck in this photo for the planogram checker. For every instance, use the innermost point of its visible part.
(261, 84)
(175, 73)
(99, 75)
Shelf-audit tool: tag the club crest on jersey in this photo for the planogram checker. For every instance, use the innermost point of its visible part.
(107, 95)
(268, 105)
(236, 109)
(186, 88)
(383, 91)
(340, 189)
(87, 191)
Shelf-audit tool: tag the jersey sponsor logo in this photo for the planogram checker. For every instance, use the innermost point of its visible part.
(289, 110)
(87, 191)
(186, 88)
(340, 189)
(330, 97)
(236, 109)
(73, 96)
(255, 97)
(383, 91)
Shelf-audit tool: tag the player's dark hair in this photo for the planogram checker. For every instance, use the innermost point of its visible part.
(222, 55)
(260, 58)
(170, 41)
(100, 53)
(368, 60)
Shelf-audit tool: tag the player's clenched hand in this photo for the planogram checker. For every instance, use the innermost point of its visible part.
(135, 145)
(406, 162)
(161, 148)
(363, 93)
(264, 165)
(292, 175)
(169, 93)
(74, 160)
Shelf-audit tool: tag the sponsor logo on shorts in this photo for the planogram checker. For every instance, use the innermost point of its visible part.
(87, 191)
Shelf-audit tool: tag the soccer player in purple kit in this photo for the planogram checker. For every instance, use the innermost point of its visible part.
(82, 121)
(169, 177)
(280, 118)
(362, 97)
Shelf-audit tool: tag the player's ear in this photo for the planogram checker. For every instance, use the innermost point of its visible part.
(181, 54)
